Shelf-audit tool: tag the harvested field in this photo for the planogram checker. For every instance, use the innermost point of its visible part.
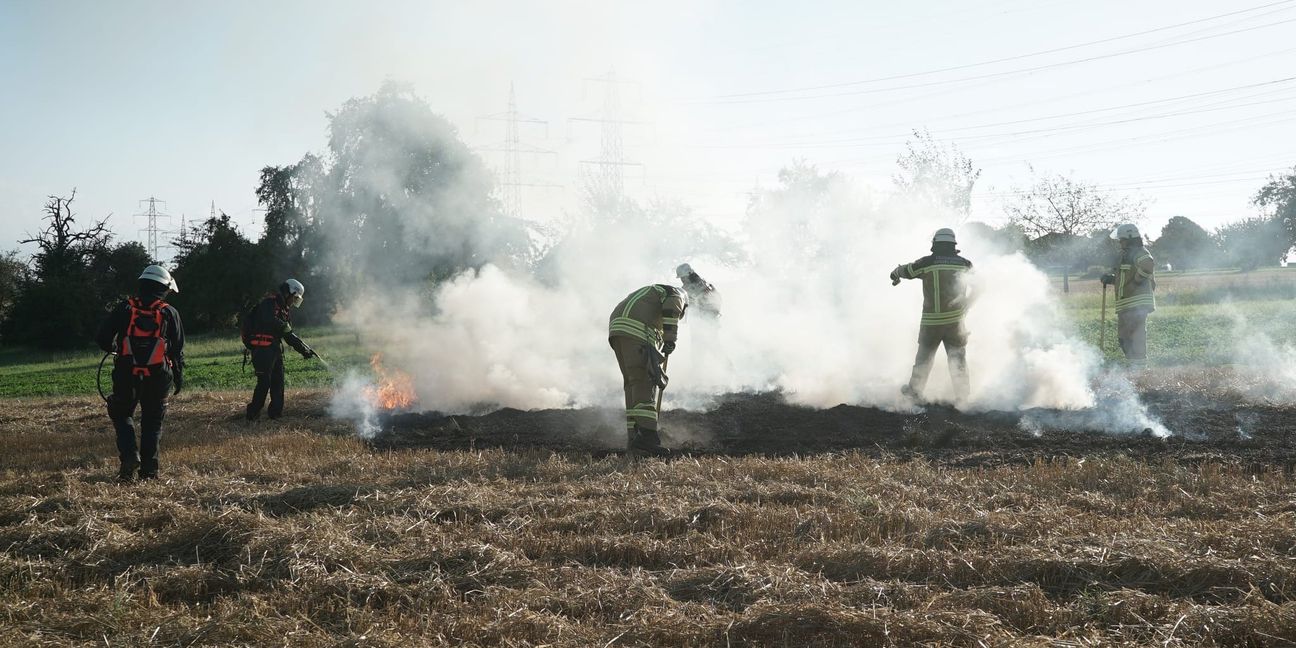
(840, 527)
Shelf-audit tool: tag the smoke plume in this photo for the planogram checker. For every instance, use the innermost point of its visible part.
(808, 310)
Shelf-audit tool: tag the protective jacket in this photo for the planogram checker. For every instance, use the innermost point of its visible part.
(114, 331)
(268, 325)
(943, 292)
(1134, 281)
(703, 297)
(650, 315)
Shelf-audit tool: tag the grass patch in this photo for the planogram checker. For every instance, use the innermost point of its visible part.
(1195, 334)
(213, 362)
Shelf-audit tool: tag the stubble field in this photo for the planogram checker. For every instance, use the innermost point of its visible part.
(469, 532)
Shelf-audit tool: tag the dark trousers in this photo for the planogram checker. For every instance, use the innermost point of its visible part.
(930, 338)
(150, 394)
(269, 368)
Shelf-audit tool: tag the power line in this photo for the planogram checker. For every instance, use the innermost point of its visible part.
(890, 138)
(994, 75)
(965, 66)
(995, 109)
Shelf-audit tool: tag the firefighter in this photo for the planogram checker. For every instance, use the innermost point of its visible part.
(944, 303)
(1135, 288)
(703, 296)
(264, 331)
(147, 336)
(642, 331)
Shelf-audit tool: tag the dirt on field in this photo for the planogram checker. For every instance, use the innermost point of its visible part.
(1214, 428)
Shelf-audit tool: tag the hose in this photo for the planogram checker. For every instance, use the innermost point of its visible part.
(99, 376)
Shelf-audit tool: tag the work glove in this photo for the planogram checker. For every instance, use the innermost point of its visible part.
(178, 379)
(1108, 279)
(307, 353)
(895, 277)
(668, 348)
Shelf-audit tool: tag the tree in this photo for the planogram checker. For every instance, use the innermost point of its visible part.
(397, 196)
(117, 269)
(407, 198)
(13, 275)
(294, 242)
(936, 173)
(1071, 251)
(1254, 242)
(1004, 240)
(221, 274)
(1185, 245)
(62, 303)
(1279, 195)
(1058, 204)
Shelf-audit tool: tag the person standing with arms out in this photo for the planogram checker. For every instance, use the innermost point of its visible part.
(146, 334)
(642, 331)
(1135, 293)
(265, 329)
(944, 301)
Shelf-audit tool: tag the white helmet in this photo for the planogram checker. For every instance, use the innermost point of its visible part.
(944, 235)
(293, 292)
(160, 275)
(683, 271)
(1125, 232)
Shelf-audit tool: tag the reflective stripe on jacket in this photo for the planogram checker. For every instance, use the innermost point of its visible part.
(1135, 284)
(650, 314)
(942, 287)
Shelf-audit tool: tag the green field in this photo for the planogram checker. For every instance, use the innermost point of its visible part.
(213, 362)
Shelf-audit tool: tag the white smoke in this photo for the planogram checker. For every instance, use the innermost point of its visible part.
(810, 313)
(1271, 366)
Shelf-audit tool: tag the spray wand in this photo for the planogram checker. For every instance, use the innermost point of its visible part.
(324, 362)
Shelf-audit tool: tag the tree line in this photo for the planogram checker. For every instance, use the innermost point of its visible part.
(398, 198)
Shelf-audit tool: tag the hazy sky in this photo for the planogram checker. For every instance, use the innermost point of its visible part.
(1185, 102)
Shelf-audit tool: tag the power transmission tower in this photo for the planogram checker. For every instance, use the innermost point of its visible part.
(609, 167)
(513, 147)
(152, 214)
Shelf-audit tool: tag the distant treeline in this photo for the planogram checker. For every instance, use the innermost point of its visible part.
(1182, 245)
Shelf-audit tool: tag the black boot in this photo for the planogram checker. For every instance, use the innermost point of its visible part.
(645, 443)
(127, 471)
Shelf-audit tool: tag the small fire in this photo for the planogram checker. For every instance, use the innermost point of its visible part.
(393, 389)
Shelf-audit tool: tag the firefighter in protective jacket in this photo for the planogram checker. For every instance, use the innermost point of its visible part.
(146, 334)
(1135, 292)
(642, 331)
(704, 299)
(944, 303)
(264, 331)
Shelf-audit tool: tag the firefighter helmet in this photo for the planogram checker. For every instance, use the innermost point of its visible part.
(293, 291)
(160, 275)
(944, 235)
(1125, 231)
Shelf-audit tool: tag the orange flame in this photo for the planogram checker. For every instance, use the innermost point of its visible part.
(393, 389)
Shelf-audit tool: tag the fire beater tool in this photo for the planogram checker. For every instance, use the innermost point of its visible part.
(1102, 335)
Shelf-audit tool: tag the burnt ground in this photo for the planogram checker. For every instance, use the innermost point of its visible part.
(1204, 428)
